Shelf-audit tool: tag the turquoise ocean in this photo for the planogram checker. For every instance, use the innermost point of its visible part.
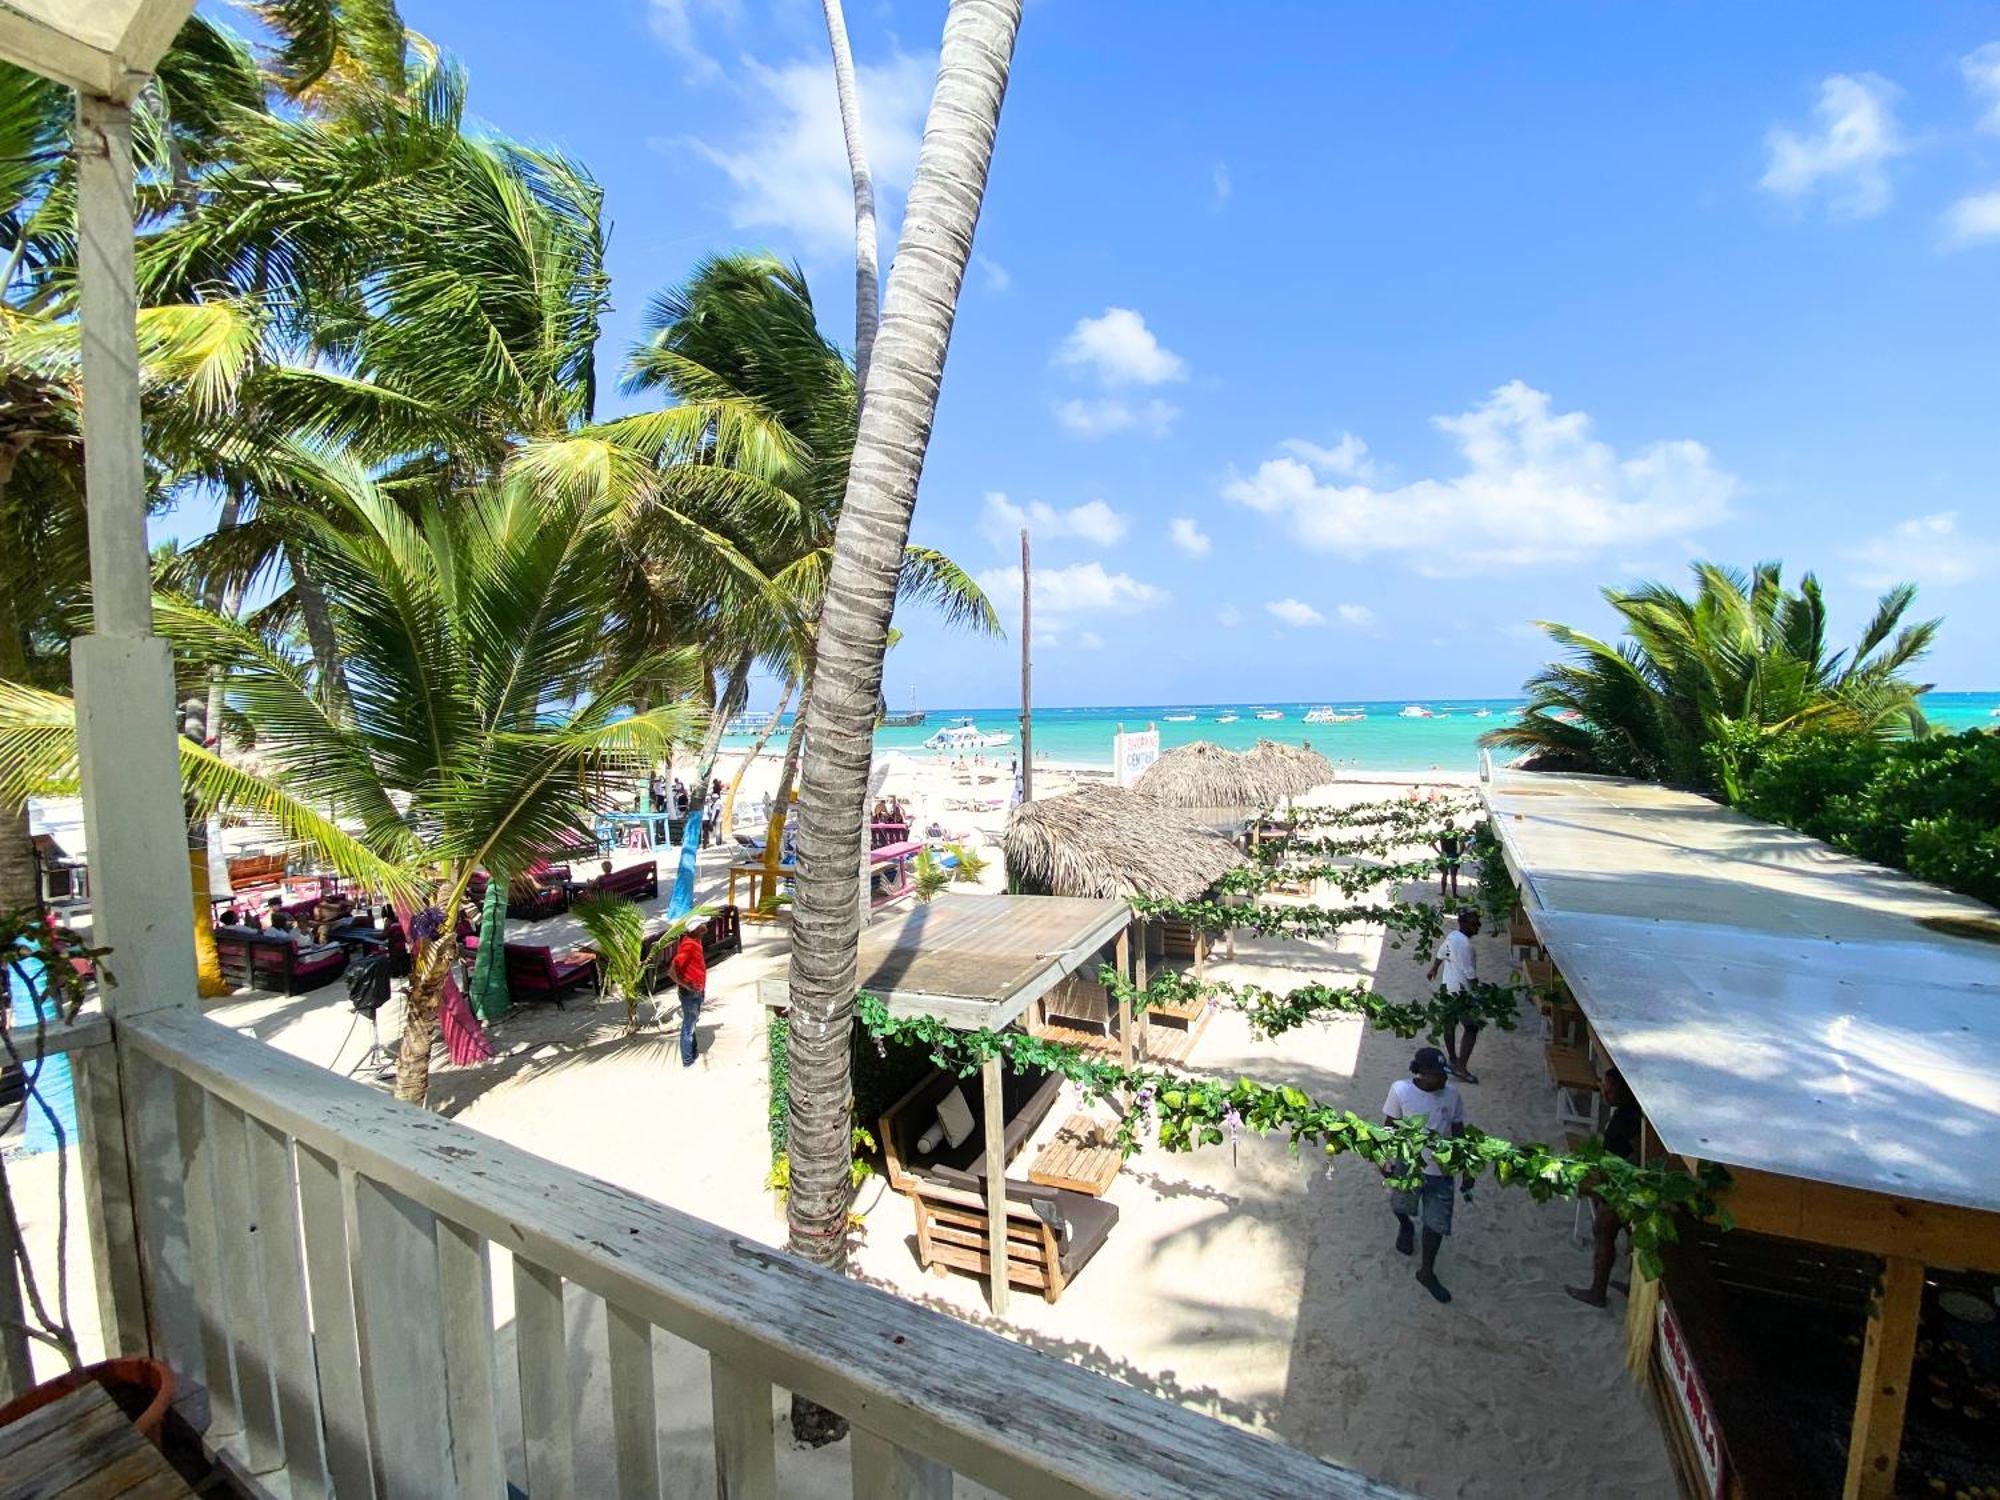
(1384, 740)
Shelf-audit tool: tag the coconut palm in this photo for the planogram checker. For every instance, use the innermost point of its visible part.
(867, 291)
(1702, 680)
(863, 577)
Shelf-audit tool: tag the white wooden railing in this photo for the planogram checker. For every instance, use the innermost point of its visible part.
(313, 1259)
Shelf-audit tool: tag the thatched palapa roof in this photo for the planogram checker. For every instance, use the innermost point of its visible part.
(1201, 774)
(1294, 769)
(1105, 841)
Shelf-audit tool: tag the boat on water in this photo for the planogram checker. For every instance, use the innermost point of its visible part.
(1270, 713)
(1227, 718)
(906, 718)
(1322, 716)
(1415, 711)
(1482, 713)
(963, 734)
(1178, 718)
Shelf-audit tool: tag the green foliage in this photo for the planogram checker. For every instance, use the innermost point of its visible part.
(1184, 1113)
(971, 863)
(1703, 684)
(1349, 879)
(1930, 806)
(617, 931)
(1271, 1014)
(778, 1111)
(1497, 897)
(929, 877)
(1404, 919)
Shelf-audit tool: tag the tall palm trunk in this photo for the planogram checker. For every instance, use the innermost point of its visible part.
(318, 617)
(861, 596)
(20, 871)
(788, 775)
(430, 965)
(867, 301)
(226, 599)
(726, 818)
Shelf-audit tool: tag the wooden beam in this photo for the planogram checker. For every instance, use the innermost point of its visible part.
(1124, 962)
(1935, 1234)
(996, 1187)
(1877, 1436)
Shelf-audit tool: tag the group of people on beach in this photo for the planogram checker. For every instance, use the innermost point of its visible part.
(1431, 1095)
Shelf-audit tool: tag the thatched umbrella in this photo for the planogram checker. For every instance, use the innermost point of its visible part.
(1201, 774)
(1107, 842)
(1292, 769)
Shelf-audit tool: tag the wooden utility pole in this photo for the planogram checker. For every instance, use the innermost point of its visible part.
(1027, 672)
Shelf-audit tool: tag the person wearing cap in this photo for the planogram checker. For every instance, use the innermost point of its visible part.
(1456, 961)
(1621, 1138)
(1430, 1096)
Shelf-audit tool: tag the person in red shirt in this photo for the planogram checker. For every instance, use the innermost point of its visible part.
(689, 968)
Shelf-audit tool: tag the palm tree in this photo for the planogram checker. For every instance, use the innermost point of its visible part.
(864, 575)
(867, 294)
(1703, 681)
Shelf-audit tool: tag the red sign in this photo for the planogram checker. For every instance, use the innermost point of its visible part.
(1698, 1411)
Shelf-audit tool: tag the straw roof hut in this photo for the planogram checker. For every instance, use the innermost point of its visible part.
(1293, 769)
(1105, 841)
(1201, 774)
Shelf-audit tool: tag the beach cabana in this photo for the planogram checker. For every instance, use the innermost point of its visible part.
(1293, 769)
(1827, 1030)
(1202, 776)
(977, 963)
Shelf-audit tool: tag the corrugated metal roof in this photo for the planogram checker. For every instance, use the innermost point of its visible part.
(1774, 1004)
(978, 961)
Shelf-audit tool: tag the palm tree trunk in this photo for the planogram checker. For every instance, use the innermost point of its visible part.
(867, 304)
(20, 871)
(319, 635)
(420, 1013)
(725, 819)
(225, 599)
(788, 775)
(853, 631)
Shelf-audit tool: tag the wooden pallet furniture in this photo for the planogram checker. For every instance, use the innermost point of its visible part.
(1026, 1098)
(277, 963)
(1083, 1158)
(534, 972)
(82, 1445)
(1051, 1233)
(250, 871)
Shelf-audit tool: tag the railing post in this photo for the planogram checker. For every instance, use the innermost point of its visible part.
(746, 1463)
(882, 1471)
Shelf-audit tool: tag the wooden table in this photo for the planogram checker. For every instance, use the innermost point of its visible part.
(83, 1447)
(1082, 1158)
(762, 893)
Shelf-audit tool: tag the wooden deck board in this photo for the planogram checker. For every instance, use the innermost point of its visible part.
(81, 1447)
(1081, 1158)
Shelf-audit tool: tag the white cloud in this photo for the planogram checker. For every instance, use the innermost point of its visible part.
(1089, 640)
(998, 278)
(1295, 612)
(1981, 67)
(673, 22)
(1119, 349)
(1537, 488)
(1101, 416)
(1924, 549)
(1229, 617)
(1092, 521)
(1189, 537)
(1972, 220)
(1846, 156)
(1223, 186)
(1080, 588)
(791, 171)
(1355, 614)
(1349, 456)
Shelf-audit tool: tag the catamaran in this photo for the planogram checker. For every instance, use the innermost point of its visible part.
(1416, 711)
(963, 734)
(1178, 718)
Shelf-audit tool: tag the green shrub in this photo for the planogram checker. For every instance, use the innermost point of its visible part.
(780, 1114)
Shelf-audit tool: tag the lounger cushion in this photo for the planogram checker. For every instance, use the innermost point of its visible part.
(1090, 1221)
(955, 1115)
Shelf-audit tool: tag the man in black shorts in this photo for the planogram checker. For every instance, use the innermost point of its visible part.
(1621, 1138)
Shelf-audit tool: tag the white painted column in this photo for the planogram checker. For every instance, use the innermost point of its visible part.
(141, 897)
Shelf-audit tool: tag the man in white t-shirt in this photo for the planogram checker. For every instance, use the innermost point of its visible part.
(1459, 965)
(1430, 1096)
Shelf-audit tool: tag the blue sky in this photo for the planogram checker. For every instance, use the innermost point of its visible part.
(1326, 346)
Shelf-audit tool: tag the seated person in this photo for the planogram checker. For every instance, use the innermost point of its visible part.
(233, 920)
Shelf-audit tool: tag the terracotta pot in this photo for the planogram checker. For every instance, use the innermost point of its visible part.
(148, 1375)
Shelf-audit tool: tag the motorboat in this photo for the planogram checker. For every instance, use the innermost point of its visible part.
(1178, 718)
(963, 734)
(1415, 711)
(1482, 713)
(1322, 716)
(1270, 713)
(1227, 718)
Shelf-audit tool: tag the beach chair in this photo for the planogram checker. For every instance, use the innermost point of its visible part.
(1052, 1233)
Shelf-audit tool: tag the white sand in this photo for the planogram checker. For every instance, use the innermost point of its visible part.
(1245, 1283)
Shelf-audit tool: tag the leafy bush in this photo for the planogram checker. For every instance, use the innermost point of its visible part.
(1930, 806)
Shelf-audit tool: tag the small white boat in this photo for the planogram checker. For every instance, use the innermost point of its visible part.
(1322, 716)
(1416, 711)
(1178, 718)
(1227, 718)
(1270, 713)
(963, 734)
(1482, 713)
(1993, 713)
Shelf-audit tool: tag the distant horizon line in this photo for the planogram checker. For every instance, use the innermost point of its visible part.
(1418, 699)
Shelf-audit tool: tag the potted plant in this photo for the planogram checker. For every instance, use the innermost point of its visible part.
(45, 973)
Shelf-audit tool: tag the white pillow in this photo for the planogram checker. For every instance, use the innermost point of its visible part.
(956, 1116)
(928, 1141)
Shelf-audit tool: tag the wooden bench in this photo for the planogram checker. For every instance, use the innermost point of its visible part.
(250, 871)
(1083, 1158)
(1051, 1233)
(277, 963)
(534, 972)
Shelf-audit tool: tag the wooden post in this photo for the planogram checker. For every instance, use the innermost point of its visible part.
(1877, 1436)
(996, 1187)
(1124, 1016)
(1027, 672)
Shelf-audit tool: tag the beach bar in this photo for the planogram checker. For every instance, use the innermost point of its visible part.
(978, 963)
(1828, 1031)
